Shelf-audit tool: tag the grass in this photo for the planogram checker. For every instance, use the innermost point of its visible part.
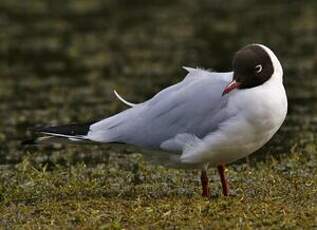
(273, 192)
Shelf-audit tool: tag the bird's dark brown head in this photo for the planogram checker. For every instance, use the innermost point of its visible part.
(252, 66)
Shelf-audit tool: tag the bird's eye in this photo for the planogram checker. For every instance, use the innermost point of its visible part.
(258, 68)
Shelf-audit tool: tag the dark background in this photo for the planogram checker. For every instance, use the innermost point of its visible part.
(60, 60)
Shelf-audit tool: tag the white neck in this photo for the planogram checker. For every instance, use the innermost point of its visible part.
(278, 70)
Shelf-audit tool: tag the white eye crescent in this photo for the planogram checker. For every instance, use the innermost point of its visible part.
(258, 68)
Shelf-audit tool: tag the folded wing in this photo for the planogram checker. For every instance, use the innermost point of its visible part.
(194, 107)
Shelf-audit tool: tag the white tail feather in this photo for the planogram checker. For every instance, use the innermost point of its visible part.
(58, 139)
(65, 136)
(123, 100)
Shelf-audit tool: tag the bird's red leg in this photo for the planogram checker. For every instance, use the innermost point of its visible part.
(225, 187)
(204, 183)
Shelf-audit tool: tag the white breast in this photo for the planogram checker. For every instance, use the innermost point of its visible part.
(258, 114)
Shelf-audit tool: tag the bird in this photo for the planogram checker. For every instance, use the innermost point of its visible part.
(209, 119)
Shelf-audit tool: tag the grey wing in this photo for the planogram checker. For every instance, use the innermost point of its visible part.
(194, 107)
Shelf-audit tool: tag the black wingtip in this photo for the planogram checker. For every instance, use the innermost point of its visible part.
(68, 130)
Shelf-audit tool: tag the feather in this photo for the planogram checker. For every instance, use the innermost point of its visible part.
(123, 100)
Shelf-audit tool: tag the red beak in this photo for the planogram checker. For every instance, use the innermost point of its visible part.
(231, 86)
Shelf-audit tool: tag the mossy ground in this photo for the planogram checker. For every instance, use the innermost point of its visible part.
(60, 63)
(271, 193)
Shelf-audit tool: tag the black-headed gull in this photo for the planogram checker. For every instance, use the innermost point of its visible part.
(208, 119)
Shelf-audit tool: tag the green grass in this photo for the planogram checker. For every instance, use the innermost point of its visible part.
(280, 193)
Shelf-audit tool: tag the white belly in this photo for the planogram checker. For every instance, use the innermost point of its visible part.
(237, 149)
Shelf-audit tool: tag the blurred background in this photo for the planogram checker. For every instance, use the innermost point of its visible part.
(61, 60)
